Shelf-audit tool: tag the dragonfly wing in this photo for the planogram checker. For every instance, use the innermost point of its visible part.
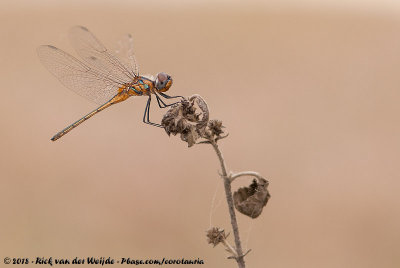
(126, 54)
(77, 76)
(96, 55)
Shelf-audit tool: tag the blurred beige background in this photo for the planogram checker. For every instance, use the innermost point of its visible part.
(309, 93)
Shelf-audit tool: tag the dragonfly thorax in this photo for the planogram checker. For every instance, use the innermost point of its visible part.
(140, 86)
(145, 86)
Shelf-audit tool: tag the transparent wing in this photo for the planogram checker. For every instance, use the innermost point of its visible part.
(96, 55)
(125, 53)
(77, 76)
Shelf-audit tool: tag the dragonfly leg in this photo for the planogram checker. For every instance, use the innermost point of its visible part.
(146, 116)
(160, 102)
(169, 97)
(163, 103)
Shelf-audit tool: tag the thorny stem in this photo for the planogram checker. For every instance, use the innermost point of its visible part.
(228, 191)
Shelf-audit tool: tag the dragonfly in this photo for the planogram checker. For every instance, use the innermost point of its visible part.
(103, 77)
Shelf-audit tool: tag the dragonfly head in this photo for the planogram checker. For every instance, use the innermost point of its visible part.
(163, 82)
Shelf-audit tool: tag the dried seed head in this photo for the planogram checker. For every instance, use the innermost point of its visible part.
(178, 118)
(215, 236)
(183, 119)
(215, 127)
(251, 200)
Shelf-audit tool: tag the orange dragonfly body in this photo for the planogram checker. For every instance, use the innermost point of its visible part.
(102, 77)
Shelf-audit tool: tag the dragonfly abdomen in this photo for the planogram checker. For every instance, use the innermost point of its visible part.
(80, 121)
(121, 96)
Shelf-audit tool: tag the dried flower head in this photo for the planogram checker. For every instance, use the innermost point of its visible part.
(251, 200)
(215, 127)
(215, 236)
(183, 119)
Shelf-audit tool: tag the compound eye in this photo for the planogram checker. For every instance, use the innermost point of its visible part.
(162, 77)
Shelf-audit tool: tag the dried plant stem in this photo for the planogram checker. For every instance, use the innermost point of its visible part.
(233, 176)
(192, 126)
(228, 192)
(229, 248)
